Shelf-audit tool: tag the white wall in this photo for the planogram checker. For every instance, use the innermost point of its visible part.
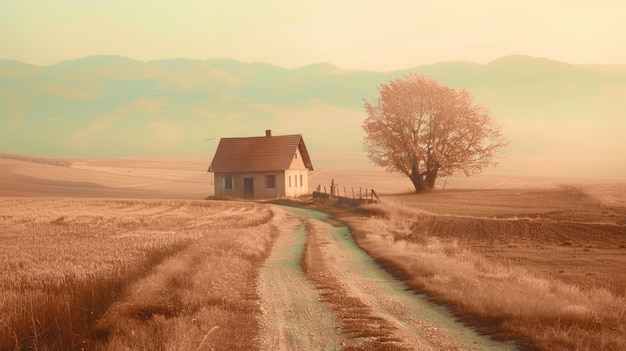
(297, 183)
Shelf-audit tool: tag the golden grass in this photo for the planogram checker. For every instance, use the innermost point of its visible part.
(505, 297)
(113, 274)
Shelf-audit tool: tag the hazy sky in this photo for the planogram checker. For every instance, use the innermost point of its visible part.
(369, 34)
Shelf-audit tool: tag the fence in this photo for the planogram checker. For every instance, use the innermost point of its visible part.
(334, 193)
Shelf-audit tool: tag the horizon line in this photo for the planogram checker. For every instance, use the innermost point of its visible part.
(313, 63)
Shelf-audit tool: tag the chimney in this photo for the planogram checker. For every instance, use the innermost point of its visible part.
(268, 132)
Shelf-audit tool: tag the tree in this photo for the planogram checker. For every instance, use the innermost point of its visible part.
(423, 130)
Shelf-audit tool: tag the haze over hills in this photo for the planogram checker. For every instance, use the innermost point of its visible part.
(561, 119)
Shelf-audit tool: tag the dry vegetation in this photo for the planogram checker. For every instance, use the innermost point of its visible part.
(129, 274)
(542, 266)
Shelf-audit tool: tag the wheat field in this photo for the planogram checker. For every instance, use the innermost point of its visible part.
(105, 273)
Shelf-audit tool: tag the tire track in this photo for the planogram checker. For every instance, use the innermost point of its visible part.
(293, 316)
(357, 321)
(417, 323)
(349, 302)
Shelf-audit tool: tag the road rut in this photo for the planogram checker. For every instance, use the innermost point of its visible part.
(293, 316)
(301, 314)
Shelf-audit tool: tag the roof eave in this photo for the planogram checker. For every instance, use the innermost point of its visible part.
(306, 159)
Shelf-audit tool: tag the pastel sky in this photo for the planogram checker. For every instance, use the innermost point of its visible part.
(362, 34)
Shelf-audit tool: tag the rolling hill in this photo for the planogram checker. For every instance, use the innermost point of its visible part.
(561, 119)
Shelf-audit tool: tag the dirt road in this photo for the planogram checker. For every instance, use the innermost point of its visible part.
(295, 319)
(336, 297)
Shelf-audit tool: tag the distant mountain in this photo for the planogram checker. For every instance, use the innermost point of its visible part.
(112, 106)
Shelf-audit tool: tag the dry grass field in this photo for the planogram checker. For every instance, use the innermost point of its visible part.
(180, 177)
(118, 274)
(541, 265)
(127, 254)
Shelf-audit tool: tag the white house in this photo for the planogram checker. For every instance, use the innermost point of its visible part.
(261, 167)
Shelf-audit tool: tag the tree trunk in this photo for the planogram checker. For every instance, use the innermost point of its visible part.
(429, 181)
(416, 179)
(423, 182)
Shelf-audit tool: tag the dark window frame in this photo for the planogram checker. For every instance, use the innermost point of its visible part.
(270, 181)
(228, 183)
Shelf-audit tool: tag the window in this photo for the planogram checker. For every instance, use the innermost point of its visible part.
(228, 183)
(295, 180)
(290, 181)
(270, 181)
(301, 180)
(295, 156)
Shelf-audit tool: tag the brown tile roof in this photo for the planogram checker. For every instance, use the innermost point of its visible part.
(258, 154)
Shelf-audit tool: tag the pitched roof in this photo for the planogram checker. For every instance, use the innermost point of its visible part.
(259, 154)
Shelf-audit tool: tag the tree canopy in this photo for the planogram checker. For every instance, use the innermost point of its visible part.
(423, 130)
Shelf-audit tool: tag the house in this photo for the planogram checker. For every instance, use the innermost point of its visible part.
(261, 167)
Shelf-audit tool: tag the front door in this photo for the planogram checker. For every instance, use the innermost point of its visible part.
(248, 188)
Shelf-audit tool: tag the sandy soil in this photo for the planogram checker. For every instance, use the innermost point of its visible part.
(297, 316)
